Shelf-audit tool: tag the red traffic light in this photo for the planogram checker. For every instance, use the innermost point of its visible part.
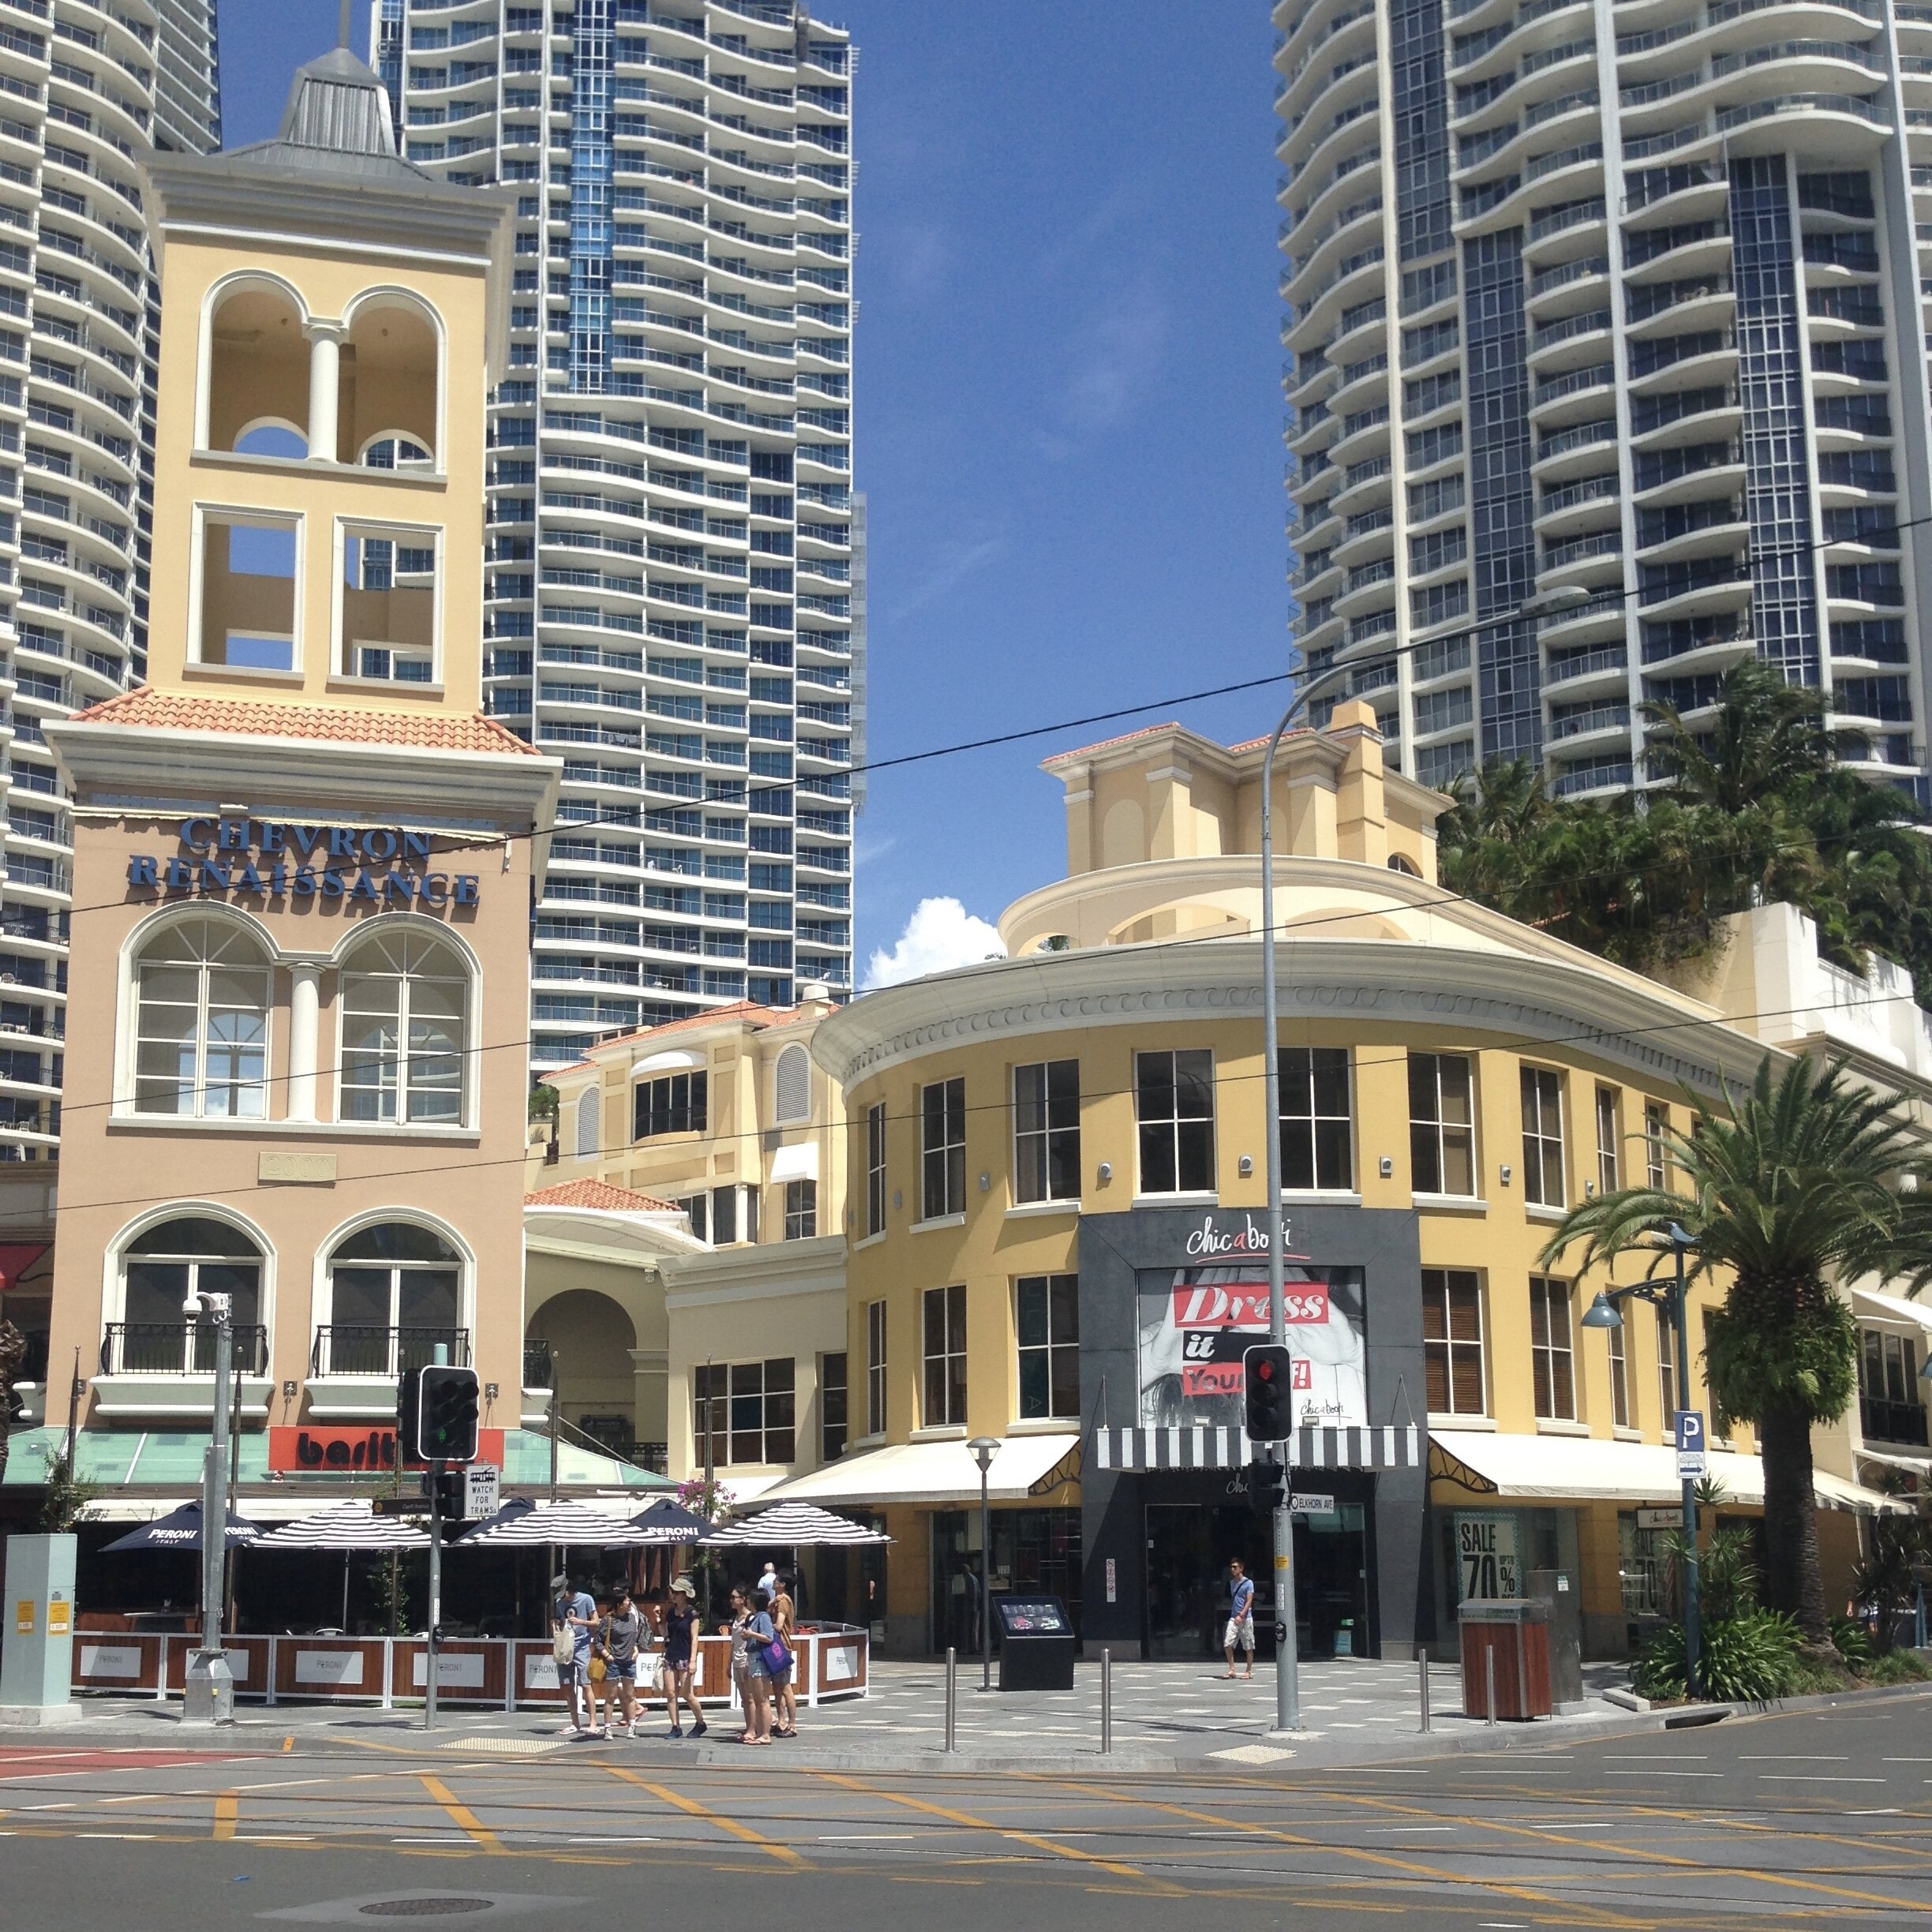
(1264, 1370)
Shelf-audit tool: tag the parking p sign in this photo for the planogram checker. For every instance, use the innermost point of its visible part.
(1692, 1461)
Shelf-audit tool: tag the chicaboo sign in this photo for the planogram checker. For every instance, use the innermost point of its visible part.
(373, 865)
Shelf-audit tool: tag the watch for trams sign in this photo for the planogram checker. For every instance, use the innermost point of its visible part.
(268, 858)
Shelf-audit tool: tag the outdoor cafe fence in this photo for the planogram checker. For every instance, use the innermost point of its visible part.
(484, 1673)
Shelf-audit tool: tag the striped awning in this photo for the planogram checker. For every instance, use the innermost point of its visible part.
(1400, 1447)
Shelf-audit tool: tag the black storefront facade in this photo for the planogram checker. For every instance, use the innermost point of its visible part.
(1169, 1297)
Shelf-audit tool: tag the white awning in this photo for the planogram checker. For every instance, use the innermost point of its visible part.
(743, 1489)
(665, 1060)
(1906, 1465)
(1892, 1309)
(1582, 1469)
(796, 1163)
(939, 1472)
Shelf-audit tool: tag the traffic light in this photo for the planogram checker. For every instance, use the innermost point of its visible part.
(1266, 1482)
(448, 1403)
(1267, 1371)
(449, 1483)
(409, 1407)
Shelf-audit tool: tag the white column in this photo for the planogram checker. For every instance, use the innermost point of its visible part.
(324, 387)
(305, 1030)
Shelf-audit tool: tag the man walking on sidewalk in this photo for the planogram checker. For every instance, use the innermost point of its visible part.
(573, 1617)
(1241, 1630)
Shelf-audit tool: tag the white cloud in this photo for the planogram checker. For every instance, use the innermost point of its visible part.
(941, 933)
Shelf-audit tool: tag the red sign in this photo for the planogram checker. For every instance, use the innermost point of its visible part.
(1228, 1378)
(305, 1449)
(1245, 1305)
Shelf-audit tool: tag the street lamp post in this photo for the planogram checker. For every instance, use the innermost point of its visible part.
(1672, 1301)
(1287, 1678)
(984, 1449)
(207, 1695)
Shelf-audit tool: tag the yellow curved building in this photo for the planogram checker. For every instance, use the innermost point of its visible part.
(1056, 1240)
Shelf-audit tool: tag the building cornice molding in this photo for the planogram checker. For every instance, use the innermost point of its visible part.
(137, 762)
(760, 1269)
(1493, 999)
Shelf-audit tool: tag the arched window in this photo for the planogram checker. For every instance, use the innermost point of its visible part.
(791, 1087)
(257, 363)
(397, 452)
(590, 1106)
(159, 1268)
(395, 1292)
(405, 1026)
(201, 989)
(1397, 863)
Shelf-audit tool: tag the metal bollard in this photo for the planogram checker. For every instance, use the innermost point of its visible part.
(951, 1698)
(1489, 1716)
(1107, 1702)
(1422, 1673)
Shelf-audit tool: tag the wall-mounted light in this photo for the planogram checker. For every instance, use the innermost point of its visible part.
(898, 1198)
(985, 1184)
(1246, 1164)
(1386, 1167)
(1506, 1172)
(291, 1390)
(489, 1391)
(1106, 1172)
(1589, 1190)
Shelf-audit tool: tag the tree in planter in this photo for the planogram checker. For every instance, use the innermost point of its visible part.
(1790, 1188)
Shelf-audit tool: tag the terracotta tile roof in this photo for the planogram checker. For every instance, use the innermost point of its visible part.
(155, 710)
(1106, 744)
(748, 1011)
(598, 1194)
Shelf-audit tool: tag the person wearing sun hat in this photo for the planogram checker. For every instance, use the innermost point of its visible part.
(680, 1656)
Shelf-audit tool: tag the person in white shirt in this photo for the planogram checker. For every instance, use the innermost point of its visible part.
(768, 1583)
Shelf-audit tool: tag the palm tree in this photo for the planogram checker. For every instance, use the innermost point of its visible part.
(1768, 736)
(1808, 1180)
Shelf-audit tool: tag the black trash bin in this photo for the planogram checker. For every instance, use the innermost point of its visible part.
(1036, 1643)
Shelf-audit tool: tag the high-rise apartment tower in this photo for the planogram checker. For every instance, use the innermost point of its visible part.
(673, 530)
(88, 90)
(1625, 295)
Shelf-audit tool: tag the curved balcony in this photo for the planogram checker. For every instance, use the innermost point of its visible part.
(1570, 343)
(1586, 673)
(1571, 452)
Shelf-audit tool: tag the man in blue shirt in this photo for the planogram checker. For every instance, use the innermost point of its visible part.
(574, 1611)
(1241, 1631)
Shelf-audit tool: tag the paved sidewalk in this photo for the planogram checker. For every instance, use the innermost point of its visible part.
(1166, 1716)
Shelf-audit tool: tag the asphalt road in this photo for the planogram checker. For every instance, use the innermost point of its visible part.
(1780, 1821)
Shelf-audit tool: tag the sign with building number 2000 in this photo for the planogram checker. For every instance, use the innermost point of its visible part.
(1486, 1556)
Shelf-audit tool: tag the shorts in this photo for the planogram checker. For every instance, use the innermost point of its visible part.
(626, 1670)
(576, 1672)
(680, 1664)
(1240, 1634)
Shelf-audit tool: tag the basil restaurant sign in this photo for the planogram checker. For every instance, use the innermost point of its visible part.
(375, 865)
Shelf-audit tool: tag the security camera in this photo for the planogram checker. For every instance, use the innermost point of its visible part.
(191, 1305)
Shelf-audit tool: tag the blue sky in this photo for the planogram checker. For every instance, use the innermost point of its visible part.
(1068, 410)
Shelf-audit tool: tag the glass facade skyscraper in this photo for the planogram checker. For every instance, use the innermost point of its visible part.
(88, 90)
(674, 543)
(1627, 296)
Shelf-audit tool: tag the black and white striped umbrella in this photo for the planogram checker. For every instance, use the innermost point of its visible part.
(793, 1525)
(568, 1523)
(346, 1526)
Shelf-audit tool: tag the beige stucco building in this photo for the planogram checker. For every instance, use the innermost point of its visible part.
(712, 1149)
(1058, 1163)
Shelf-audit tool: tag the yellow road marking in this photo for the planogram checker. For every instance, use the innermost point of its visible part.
(288, 1744)
(460, 1814)
(1018, 1837)
(227, 1810)
(1435, 1873)
(1641, 1853)
(690, 1808)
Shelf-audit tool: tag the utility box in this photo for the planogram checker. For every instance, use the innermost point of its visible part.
(1036, 1643)
(1556, 1591)
(36, 1653)
(1512, 1630)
